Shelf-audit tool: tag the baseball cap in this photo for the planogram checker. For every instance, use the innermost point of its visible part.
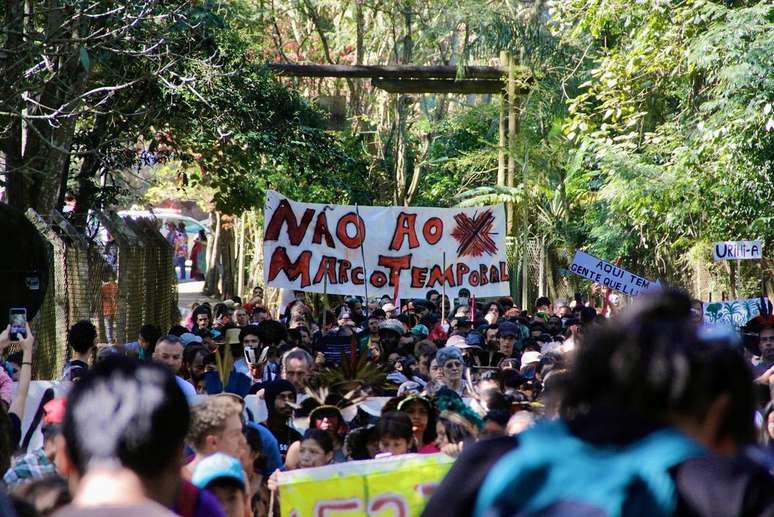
(457, 341)
(187, 338)
(474, 339)
(218, 466)
(420, 330)
(530, 357)
(387, 307)
(508, 328)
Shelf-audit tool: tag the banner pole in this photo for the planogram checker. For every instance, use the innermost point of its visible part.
(362, 255)
(396, 296)
(443, 294)
(325, 301)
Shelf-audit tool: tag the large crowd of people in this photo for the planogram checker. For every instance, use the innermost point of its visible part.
(555, 409)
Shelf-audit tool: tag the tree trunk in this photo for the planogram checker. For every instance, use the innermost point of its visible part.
(13, 21)
(37, 182)
(213, 258)
(356, 86)
(542, 267)
(241, 255)
(227, 255)
(401, 152)
(731, 267)
(402, 165)
(90, 168)
(513, 129)
(551, 284)
(502, 130)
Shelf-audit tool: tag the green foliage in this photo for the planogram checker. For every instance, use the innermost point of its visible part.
(248, 134)
(462, 155)
(673, 126)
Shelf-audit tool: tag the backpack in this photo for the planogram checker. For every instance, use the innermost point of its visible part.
(187, 500)
(552, 472)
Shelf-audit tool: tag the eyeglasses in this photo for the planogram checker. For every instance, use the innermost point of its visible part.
(767, 338)
(453, 364)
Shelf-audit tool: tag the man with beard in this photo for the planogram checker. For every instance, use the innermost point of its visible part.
(280, 397)
(766, 345)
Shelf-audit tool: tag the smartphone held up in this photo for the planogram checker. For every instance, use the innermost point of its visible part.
(17, 318)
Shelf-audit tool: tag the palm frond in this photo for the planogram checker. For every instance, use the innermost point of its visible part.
(482, 196)
(356, 370)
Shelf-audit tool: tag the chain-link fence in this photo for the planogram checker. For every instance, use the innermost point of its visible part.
(120, 284)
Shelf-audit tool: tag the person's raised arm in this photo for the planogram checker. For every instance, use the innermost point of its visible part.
(25, 375)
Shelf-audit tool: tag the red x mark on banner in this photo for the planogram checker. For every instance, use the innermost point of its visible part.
(474, 235)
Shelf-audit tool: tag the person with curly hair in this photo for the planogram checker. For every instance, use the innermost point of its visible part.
(216, 426)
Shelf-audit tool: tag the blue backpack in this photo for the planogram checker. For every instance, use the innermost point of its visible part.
(553, 473)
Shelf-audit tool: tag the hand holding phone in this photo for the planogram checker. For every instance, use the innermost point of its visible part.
(17, 318)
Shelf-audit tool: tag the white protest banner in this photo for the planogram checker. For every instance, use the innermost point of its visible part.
(34, 399)
(611, 276)
(737, 250)
(317, 248)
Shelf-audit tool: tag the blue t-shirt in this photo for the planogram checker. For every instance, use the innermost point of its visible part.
(270, 449)
(188, 390)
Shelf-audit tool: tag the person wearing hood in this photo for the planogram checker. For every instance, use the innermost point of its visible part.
(280, 398)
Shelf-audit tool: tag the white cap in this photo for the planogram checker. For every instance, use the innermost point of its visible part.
(457, 341)
(530, 357)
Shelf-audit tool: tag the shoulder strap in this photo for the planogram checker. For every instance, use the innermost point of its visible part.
(48, 395)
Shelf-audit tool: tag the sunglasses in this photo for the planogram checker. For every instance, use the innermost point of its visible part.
(453, 364)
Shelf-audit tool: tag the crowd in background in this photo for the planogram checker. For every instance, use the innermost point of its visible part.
(169, 425)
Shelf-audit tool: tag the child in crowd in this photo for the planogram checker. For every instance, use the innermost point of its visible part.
(316, 449)
(223, 476)
(395, 434)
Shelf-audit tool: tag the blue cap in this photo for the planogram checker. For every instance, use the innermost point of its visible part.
(474, 339)
(420, 331)
(218, 466)
(508, 328)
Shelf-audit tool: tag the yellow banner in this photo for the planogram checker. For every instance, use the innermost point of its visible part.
(390, 487)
